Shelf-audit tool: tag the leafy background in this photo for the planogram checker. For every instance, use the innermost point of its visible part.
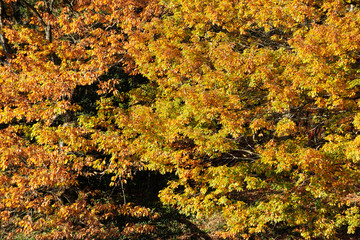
(179, 119)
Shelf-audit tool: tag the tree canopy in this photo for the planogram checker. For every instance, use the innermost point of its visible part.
(252, 107)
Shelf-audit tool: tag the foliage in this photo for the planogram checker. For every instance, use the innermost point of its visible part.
(256, 111)
(253, 106)
(56, 166)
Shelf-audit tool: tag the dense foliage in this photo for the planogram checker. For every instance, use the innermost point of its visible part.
(250, 109)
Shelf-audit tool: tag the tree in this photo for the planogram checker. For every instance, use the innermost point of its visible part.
(256, 111)
(51, 183)
(254, 106)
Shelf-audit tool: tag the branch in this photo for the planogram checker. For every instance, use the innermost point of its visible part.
(3, 41)
(35, 12)
(46, 26)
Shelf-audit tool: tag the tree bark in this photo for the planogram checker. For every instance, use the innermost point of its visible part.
(3, 41)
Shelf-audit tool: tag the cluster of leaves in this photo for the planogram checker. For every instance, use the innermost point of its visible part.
(253, 105)
(256, 111)
(56, 167)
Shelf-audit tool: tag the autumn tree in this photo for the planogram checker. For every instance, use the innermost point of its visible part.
(256, 110)
(253, 105)
(55, 167)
